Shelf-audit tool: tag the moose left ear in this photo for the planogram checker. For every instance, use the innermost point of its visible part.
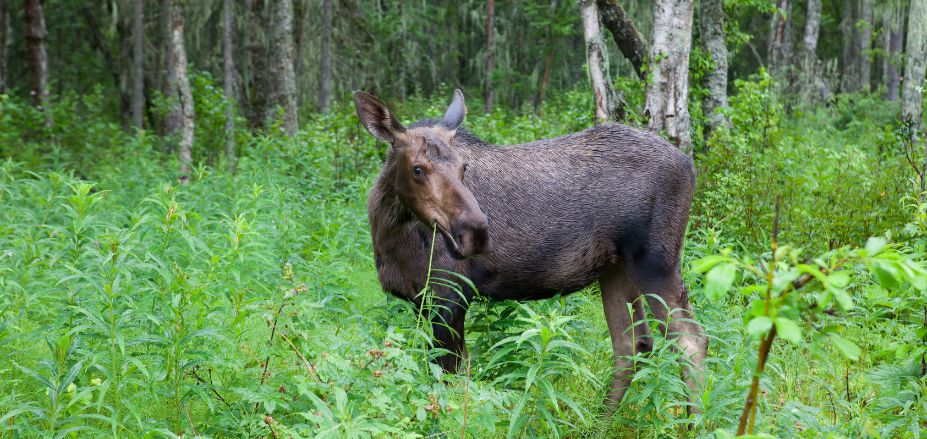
(456, 112)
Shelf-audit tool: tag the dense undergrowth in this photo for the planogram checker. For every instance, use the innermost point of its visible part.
(246, 304)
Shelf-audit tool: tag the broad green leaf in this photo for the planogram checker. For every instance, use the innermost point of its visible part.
(875, 244)
(719, 279)
(707, 263)
(759, 326)
(886, 274)
(847, 347)
(788, 329)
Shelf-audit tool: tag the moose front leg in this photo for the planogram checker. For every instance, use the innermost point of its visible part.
(447, 324)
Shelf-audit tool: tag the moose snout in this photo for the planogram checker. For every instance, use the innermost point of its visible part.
(472, 234)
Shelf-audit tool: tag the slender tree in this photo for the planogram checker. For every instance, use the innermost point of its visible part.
(809, 58)
(260, 83)
(606, 101)
(38, 57)
(892, 76)
(490, 60)
(138, 63)
(629, 40)
(325, 64)
(711, 18)
(912, 93)
(282, 46)
(2, 47)
(780, 46)
(667, 96)
(169, 85)
(183, 98)
(865, 44)
(850, 76)
(228, 55)
(548, 61)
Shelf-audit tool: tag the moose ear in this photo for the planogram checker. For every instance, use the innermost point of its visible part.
(456, 112)
(376, 118)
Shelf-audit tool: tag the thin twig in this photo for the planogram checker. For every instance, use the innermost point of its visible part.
(273, 331)
(309, 366)
(211, 387)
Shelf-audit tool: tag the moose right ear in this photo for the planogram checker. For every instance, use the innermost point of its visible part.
(376, 118)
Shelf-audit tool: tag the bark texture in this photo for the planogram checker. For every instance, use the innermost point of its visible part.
(667, 99)
(260, 84)
(36, 35)
(912, 94)
(228, 84)
(712, 27)
(183, 100)
(895, 42)
(812, 29)
(138, 63)
(780, 46)
(606, 101)
(629, 40)
(285, 89)
(490, 60)
(865, 44)
(325, 64)
(3, 32)
(811, 86)
(850, 75)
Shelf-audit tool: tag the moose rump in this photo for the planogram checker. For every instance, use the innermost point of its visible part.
(529, 221)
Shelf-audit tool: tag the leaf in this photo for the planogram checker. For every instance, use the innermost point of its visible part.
(847, 347)
(788, 329)
(719, 279)
(875, 244)
(885, 274)
(707, 263)
(759, 326)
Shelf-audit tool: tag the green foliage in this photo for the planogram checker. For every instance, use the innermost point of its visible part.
(247, 304)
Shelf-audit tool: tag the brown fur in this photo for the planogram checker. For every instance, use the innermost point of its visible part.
(610, 203)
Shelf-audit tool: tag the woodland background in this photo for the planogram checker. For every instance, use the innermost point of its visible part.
(184, 247)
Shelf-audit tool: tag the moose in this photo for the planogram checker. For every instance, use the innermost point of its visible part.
(530, 221)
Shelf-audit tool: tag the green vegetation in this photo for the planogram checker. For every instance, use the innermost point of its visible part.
(246, 304)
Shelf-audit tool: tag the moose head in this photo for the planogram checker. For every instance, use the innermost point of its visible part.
(428, 174)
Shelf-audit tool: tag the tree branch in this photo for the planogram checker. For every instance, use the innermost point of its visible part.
(629, 40)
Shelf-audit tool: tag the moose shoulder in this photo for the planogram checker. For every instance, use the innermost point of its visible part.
(530, 221)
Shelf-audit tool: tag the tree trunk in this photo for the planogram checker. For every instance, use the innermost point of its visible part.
(228, 54)
(715, 80)
(667, 99)
(2, 48)
(810, 82)
(260, 78)
(171, 120)
(865, 45)
(626, 36)
(183, 100)
(490, 30)
(285, 89)
(38, 57)
(896, 40)
(780, 47)
(606, 101)
(850, 77)
(138, 63)
(912, 93)
(325, 66)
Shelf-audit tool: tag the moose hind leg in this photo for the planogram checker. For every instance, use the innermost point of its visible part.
(447, 324)
(628, 338)
(677, 321)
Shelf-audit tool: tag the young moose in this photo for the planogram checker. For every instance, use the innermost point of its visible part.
(530, 221)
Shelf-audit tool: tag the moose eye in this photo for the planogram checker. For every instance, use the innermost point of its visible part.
(417, 170)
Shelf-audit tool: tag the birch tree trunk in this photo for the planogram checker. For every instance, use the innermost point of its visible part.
(228, 83)
(183, 100)
(811, 84)
(780, 46)
(606, 101)
(490, 61)
(325, 66)
(850, 76)
(138, 63)
(38, 57)
(3, 32)
(715, 80)
(283, 57)
(628, 39)
(912, 93)
(896, 40)
(865, 45)
(667, 98)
